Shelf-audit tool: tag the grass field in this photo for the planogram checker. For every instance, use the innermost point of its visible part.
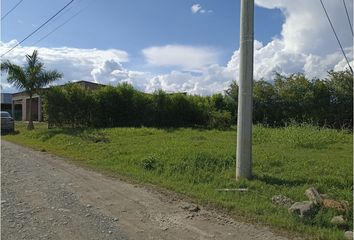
(196, 162)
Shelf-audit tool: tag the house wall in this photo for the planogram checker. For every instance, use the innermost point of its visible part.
(22, 99)
(34, 109)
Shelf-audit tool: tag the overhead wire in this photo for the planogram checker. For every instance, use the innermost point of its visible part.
(350, 24)
(38, 28)
(62, 24)
(335, 34)
(56, 18)
(13, 8)
(59, 26)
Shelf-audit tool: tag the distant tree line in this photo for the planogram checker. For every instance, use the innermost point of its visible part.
(323, 102)
(295, 98)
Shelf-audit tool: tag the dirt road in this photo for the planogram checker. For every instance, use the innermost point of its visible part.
(46, 197)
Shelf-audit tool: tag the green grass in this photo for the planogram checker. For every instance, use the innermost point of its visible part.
(196, 162)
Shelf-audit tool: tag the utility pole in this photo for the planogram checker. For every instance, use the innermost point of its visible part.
(244, 115)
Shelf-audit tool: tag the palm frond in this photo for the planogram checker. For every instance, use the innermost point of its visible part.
(32, 76)
(32, 60)
(46, 77)
(15, 74)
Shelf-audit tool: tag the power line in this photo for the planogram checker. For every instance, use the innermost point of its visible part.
(346, 11)
(56, 18)
(38, 28)
(51, 32)
(335, 34)
(13, 8)
(61, 25)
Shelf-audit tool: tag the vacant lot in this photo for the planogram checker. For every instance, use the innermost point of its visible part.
(196, 162)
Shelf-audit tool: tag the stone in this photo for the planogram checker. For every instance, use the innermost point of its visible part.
(313, 195)
(338, 220)
(348, 235)
(302, 209)
(340, 206)
(191, 208)
(282, 200)
(190, 216)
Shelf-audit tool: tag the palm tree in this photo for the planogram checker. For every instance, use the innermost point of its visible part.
(30, 78)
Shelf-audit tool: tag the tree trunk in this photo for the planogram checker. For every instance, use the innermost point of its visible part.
(30, 122)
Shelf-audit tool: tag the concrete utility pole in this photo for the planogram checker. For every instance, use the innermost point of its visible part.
(244, 115)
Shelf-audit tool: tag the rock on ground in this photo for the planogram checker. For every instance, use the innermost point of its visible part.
(302, 209)
(282, 200)
(338, 220)
(348, 235)
(340, 206)
(313, 195)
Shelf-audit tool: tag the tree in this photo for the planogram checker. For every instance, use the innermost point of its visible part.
(341, 102)
(29, 78)
(231, 98)
(264, 103)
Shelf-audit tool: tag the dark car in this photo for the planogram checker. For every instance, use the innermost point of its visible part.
(7, 122)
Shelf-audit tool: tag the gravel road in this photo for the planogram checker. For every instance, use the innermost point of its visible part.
(47, 197)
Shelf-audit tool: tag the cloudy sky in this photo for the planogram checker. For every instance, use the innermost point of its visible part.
(182, 45)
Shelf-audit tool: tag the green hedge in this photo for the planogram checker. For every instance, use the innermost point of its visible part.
(73, 105)
(289, 99)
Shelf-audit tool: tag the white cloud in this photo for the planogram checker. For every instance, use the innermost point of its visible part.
(111, 72)
(213, 79)
(197, 8)
(306, 44)
(306, 28)
(187, 57)
(74, 63)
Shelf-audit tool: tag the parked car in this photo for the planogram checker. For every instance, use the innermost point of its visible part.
(7, 122)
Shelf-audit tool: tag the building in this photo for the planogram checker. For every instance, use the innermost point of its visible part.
(21, 100)
(19, 104)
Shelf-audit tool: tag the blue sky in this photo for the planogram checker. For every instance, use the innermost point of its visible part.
(174, 45)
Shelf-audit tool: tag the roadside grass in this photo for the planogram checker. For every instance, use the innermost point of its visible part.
(196, 162)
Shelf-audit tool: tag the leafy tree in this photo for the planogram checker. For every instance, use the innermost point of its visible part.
(264, 103)
(31, 78)
(231, 98)
(295, 94)
(341, 103)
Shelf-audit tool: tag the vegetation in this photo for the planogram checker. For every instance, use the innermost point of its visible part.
(75, 106)
(30, 78)
(196, 162)
(320, 102)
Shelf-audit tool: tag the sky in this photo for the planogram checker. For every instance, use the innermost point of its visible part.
(175, 45)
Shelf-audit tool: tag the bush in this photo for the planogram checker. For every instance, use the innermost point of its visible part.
(72, 105)
(220, 120)
(294, 98)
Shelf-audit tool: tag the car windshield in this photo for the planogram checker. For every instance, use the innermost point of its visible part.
(5, 114)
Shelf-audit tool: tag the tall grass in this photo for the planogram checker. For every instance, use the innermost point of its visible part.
(196, 162)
